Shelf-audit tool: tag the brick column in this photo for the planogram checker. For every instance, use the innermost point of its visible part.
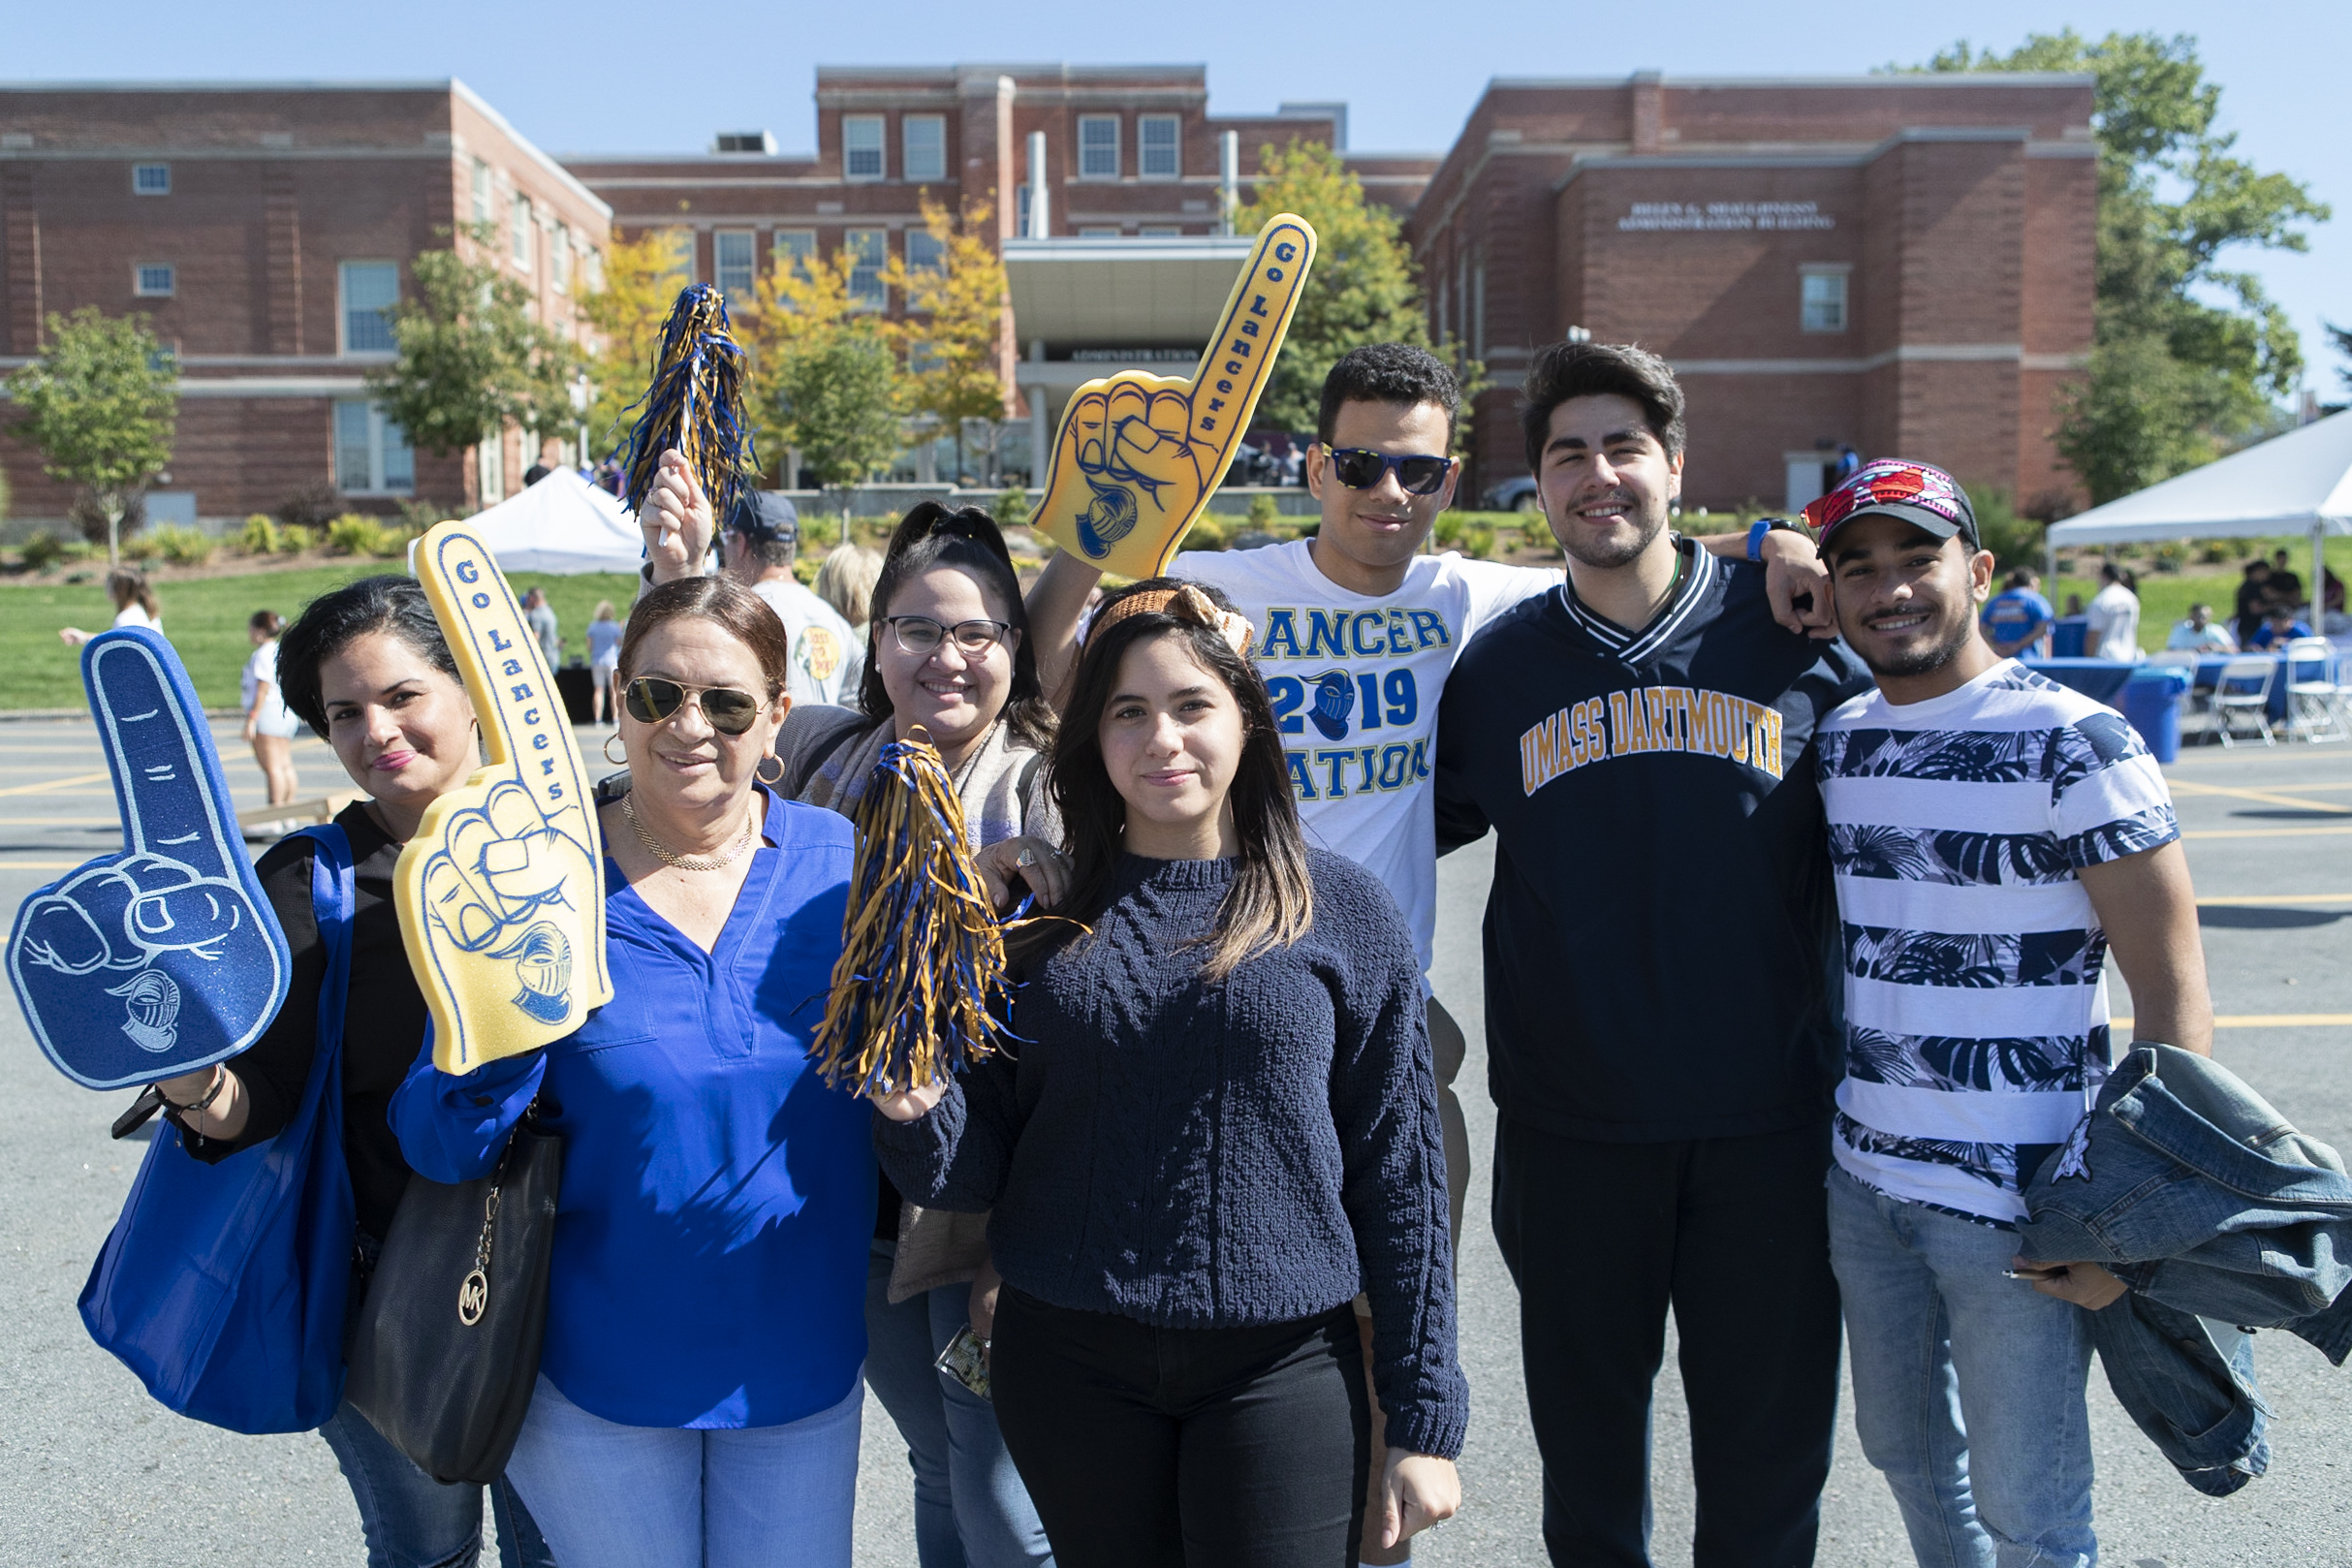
(20, 329)
(283, 226)
(1649, 93)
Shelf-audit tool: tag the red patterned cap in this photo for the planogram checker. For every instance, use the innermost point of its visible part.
(1892, 488)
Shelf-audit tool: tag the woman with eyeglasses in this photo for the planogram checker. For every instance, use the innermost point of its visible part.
(699, 1400)
(365, 667)
(946, 650)
(1221, 1122)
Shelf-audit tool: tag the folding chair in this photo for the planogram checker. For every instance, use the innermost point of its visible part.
(2245, 689)
(2314, 702)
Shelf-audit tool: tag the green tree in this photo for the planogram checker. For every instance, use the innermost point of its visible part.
(1362, 289)
(836, 399)
(954, 330)
(2343, 336)
(471, 360)
(642, 280)
(2187, 354)
(100, 402)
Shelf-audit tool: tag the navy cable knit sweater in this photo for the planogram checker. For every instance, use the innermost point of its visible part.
(1199, 1156)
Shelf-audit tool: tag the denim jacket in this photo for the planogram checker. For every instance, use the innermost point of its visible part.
(2188, 1186)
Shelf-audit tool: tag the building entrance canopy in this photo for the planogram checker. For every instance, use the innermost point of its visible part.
(1075, 293)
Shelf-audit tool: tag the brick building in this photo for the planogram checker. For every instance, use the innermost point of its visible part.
(1902, 263)
(259, 228)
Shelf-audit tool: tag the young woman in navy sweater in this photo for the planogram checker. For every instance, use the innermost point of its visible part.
(1221, 1124)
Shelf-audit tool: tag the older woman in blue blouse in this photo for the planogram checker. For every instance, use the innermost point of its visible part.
(699, 1396)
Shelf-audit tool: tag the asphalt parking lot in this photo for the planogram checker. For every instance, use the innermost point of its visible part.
(93, 1472)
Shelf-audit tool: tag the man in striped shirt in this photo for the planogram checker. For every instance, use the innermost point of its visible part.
(1993, 836)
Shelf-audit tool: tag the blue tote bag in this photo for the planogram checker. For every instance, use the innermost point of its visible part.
(223, 1286)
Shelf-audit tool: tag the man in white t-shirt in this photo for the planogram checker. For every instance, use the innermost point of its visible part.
(2113, 631)
(760, 544)
(1994, 835)
(1357, 631)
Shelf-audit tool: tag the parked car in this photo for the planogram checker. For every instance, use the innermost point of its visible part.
(1514, 496)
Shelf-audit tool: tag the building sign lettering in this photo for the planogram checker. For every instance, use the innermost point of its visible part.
(1748, 217)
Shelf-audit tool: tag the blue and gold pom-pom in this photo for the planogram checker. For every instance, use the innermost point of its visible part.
(695, 404)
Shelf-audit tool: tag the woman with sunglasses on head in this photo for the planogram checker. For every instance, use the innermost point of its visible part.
(367, 669)
(946, 650)
(699, 1399)
(1222, 1119)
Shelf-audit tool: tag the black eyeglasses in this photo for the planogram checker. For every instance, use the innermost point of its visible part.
(652, 700)
(920, 636)
(1359, 469)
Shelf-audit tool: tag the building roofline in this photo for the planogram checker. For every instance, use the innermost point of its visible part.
(297, 85)
(1880, 78)
(1009, 68)
(531, 150)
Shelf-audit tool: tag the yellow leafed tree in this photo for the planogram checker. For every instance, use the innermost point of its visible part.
(824, 369)
(953, 332)
(642, 280)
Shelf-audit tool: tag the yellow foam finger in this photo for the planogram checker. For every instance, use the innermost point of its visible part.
(500, 902)
(1129, 516)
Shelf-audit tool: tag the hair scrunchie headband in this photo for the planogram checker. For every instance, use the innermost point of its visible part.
(1184, 603)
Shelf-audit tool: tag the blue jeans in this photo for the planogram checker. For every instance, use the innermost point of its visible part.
(1968, 1387)
(971, 1510)
(410, 1520)
(615, 1496)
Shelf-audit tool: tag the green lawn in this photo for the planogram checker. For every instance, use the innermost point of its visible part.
(205, 619)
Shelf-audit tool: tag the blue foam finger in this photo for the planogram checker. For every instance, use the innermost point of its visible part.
(165, 956)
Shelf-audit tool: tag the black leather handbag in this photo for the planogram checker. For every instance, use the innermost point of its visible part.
(445, 1351)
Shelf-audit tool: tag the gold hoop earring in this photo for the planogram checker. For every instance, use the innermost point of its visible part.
(621, 760)
(772, 783)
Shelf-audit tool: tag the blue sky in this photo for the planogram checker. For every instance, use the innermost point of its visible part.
(568, 74)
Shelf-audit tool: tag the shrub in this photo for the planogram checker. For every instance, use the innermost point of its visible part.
(2014, 539)
(418, 515)
(1012, 507)
(354, 535)
(313, 508)
(1449, 531)
(258, 537)
(1209, 532)
(1263, 512)
(1478, 540)
(140, 547)
(294, 538)
(42, 551)
(2170, 555)
(183, 547)
(2215, 552)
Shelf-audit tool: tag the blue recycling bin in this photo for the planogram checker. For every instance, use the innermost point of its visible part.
(2152, 701)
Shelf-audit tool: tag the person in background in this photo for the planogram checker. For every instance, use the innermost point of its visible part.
(540, 617)
(2074, 606)
(697, 1399)
(2253, 601)
(1848, 461)
(604, 663)
(2280, 628)
(1976, 1029)
(949, 651)
(1221, 1123)
(365, 667)
(271, 726)
(134, 605)
(845, 580)
(2199, 634)
(2285, 587)
(2332, 593)
(2018, 619)
(2113, 631)
(534, 474)
(761, 543)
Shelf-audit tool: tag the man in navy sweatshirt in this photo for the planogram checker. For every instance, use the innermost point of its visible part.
(1659, 942)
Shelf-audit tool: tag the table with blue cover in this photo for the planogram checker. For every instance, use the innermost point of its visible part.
(2148, 695)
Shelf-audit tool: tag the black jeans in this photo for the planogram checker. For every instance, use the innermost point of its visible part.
(1164, 1448)
(1733, 1234)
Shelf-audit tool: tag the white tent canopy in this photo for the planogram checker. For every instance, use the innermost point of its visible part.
(563, 526)
(2296, 484)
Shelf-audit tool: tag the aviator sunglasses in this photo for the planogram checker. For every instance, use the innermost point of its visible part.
(652, 700)
(1359, 469)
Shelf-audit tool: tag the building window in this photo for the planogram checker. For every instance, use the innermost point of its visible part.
(1821, 299)
(678, 246)
(155, 280)
(1162, 230)
(593, 261)
(559, 257)
(482, 191)
(861, 147)
(522, 230)
(372, 456)
(1098, 146)
(1020, 211)
(795, 248)
(489, 468)
(150, 179)
(871, 247)
(1098, 231)
(734, 258)
(925, 138)
(368, 289)
(1159, 147)
(925, 251)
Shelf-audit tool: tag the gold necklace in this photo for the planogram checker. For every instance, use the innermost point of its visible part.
(689, 863)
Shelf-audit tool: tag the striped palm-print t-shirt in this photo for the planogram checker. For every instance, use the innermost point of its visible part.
(1975, 992)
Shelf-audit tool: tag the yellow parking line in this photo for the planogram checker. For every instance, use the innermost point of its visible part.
(2256, 898)
(59, 822)
(2258, 1020)
(42, 866)
(2266, 833)
(75, 783)
(2267, 798)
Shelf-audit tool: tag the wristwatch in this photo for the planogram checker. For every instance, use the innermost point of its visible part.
(1759, 528)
